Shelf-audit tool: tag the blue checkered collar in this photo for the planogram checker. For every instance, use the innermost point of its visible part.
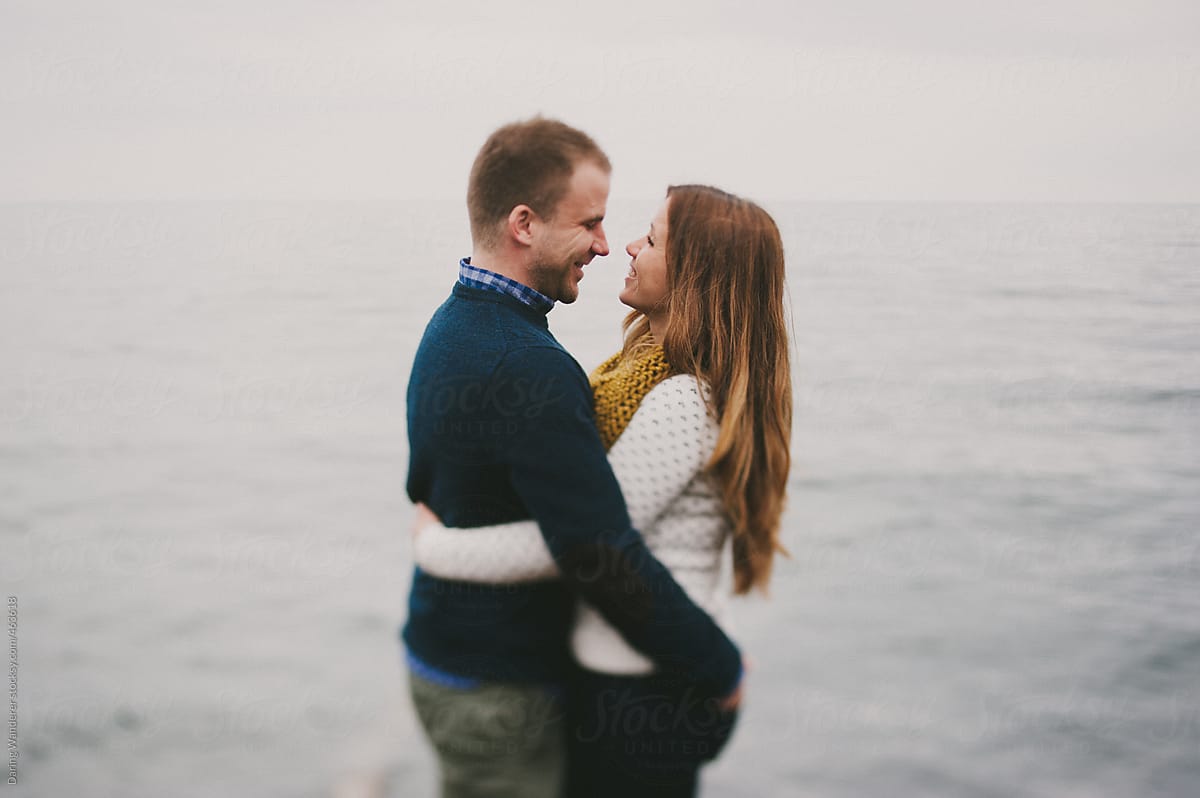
(475, 277)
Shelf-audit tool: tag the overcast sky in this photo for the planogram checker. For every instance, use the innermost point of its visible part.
(855, 99)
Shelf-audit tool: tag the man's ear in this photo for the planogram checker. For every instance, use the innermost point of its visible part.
(520, 224)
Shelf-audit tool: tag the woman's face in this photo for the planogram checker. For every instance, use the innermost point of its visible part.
(646, 284)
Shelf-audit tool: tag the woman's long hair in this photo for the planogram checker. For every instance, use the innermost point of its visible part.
(725, 324)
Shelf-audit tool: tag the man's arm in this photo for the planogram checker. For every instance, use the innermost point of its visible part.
(559, 469)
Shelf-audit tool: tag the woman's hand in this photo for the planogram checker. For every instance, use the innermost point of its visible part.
(422, 518)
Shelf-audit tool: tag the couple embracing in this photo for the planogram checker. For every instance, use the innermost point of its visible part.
(564, 631)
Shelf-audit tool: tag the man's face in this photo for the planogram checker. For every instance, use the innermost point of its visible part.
(563, 245)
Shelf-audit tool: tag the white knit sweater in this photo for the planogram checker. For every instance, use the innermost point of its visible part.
(658, 461)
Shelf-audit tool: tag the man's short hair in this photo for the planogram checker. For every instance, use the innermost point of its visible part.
(525, 163)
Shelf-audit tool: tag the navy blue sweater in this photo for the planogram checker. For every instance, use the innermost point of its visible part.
(501, 428)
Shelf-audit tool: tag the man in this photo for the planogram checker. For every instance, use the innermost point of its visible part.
(500, 428)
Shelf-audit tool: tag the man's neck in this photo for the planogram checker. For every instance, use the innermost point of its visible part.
(509, 267)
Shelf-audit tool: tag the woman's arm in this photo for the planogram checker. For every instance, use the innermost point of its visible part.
(500, 553)
(668, 441)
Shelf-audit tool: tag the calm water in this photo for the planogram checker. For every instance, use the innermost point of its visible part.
(994, 511)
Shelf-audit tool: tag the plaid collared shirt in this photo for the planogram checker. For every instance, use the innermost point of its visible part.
(475, 277)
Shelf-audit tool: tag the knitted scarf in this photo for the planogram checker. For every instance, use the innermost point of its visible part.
(619, 387)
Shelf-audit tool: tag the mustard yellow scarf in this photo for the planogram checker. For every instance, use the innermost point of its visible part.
(619, 387)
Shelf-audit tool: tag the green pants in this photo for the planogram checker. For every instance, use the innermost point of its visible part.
(495, 740)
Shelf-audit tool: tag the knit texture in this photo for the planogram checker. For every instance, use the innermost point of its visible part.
(659, 462)
(619, 385)
(500, 428)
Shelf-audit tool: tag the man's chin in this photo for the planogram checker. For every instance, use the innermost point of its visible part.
(569, 293)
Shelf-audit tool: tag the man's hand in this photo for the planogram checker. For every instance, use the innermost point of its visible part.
(422, 518)
(734, 700)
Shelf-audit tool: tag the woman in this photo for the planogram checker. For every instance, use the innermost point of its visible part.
(695, 411)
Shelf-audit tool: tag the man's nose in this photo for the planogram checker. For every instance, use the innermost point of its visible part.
(600, 245)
